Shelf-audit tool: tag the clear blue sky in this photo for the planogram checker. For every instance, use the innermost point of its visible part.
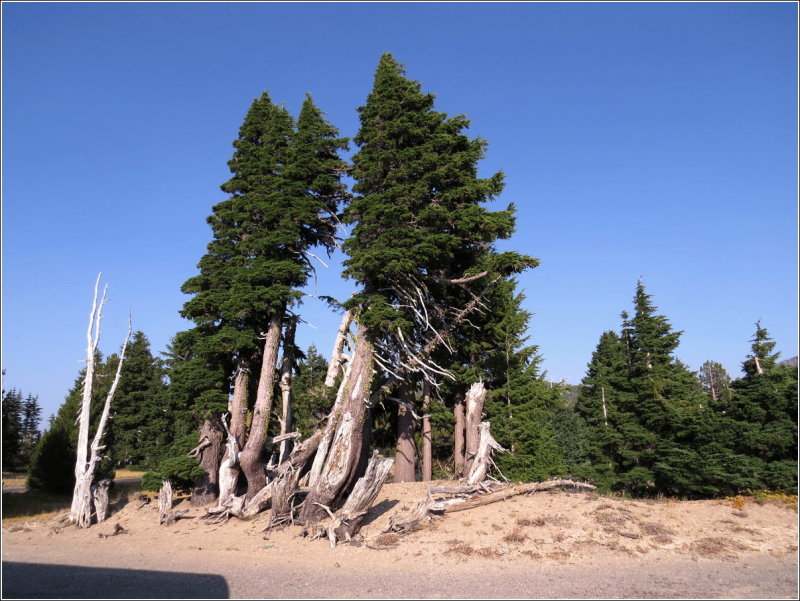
(653, 140)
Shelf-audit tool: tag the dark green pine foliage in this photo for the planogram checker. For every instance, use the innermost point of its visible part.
(764, 410)
(520, 404)
(52, 466)
(652, 438)
(311, 400)
(199, 382)
(139, 431)
(601, 397)
(12, 428)
(31, 415)
(418, 212)
(716, 384)
(284, 195)
(244, 274)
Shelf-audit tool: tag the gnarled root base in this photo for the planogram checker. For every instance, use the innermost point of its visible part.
(348, 520)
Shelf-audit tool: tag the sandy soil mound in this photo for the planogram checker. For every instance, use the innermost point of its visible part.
(538, 531)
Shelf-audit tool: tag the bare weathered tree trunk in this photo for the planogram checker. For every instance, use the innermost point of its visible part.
(81, 508)
(427, 451)
(286, 388)
(100, 497)
(343, 457)
(458, 435)
(208, 454)
(603, 399)
(348, 520)
(237, 405)
(297, 461)
(228, 469)
(483, 455)
(164, 500)
(405, 457)
(476, 395)
(251, 459)
(337, 355)
(330, 429)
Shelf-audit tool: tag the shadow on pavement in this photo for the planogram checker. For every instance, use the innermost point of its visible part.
(47, 581)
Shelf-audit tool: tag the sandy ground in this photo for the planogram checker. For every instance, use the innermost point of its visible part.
(552, 544)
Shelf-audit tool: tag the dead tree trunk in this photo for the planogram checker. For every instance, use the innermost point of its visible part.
(228, 469)
(337, 355)
(342, 459)
(237, 405)
(208, 454)
(476, 395)
(427, 451)
(483, 455)
(286, 388)
(458, 435)
(405, 457)
(330, 429)
(100, 498)
(81, 508)
(347, 522)
(164, 501)
(443, 500)
(297, 462)
(251, 459)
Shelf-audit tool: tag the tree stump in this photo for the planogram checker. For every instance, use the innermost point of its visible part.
(100, 496)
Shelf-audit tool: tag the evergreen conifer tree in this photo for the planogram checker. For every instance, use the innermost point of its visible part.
(284, 192)
(139, 432)
(12, 428)
(764, 409)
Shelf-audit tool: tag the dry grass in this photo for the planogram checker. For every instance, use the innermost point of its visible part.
(654, 529)
(515, 536)
(542, 520)
(18, 507)
(13, 479)
(716, 547)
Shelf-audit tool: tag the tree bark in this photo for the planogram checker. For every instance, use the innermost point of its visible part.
(427, 451)
(208, 454)
(251, 459)
(483, 455)
(164, 501)
(458, 435)
(476, 395)
(286, 388)
(340, 469)
(100, 497)
(237, 406)
(348, 521)
(297, 461)
(405, 451)
(228, 469)
(337, 355)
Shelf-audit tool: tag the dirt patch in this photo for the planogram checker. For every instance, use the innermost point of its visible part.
(522, 535)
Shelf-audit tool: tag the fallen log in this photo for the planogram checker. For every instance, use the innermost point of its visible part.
(424, 510)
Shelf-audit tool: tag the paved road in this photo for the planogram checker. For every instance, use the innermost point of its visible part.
(762, 578)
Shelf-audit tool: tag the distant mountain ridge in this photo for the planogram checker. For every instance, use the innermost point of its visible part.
(789, 362)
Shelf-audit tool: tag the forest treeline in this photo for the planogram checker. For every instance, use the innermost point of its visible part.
(436, 310)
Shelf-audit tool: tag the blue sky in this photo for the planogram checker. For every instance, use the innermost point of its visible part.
(652, 140)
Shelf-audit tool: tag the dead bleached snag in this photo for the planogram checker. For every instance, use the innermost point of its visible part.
(348, 520)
